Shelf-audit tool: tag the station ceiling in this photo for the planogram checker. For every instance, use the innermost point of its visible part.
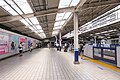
(40, 16)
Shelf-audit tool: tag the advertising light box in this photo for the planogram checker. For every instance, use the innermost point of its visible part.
(4, 43)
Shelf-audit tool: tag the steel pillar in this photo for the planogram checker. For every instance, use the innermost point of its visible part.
(76, 56)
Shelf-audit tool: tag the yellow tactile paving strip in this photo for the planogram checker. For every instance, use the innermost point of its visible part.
(103, 64)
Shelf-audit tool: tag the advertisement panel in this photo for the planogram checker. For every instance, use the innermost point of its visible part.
(34, 43)
(14, 42)
(24, 42)
(4, 43)
(29, 42)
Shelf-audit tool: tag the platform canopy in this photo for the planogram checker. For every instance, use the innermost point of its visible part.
(46, 18)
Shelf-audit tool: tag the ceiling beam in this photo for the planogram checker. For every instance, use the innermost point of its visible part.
(27, 32)
(77, 8)
(19, 27)
(56, 10)
(101, 3)
(97, 4)
(37, 14)
(49, 22)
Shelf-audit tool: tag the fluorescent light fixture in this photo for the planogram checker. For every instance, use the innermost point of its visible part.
(40, 31)
(38, 27)
(23, 4)
(112, 30)
(62, 22)
(24, 22)
(34, 20)
(25, 7)
(27, 19)
(97, 33)
(32, 28)
(57, 24)
(59, 16)
(8, 8)
(64, 15)
(67, 14)
(42, 35)
(55, 28)
(55, 32)
(36, 32)
(108, 37)
(106, 31)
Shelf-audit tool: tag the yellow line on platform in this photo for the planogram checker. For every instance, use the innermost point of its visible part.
(102, 64)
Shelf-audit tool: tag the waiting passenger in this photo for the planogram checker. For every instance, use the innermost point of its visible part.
(81, 50)
(31, 47)
(57, 46)
(20, 49)
(66, 47)
(48, 45)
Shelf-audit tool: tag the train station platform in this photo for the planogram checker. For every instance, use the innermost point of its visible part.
(50, 64)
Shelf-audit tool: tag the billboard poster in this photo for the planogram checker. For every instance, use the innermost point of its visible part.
(34, 43)
(14, 42)
(4, 43)
(22, 39)
(24, 42)
(29, 42)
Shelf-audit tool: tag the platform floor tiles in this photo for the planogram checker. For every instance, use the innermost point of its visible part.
(49, 64)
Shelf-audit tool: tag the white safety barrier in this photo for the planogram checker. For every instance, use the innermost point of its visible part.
(88, 51)
(118, 56)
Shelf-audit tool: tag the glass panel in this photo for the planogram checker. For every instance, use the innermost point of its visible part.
(97, 52)
(109, 54)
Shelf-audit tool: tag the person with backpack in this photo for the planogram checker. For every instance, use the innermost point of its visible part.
(31, 47)
(81, 50)
(20, 49)
(66, 47)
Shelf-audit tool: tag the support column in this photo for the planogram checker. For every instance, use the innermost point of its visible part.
(76, 56)
(60, 40)
(119, 38)
(56, 39)
(95, 41)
